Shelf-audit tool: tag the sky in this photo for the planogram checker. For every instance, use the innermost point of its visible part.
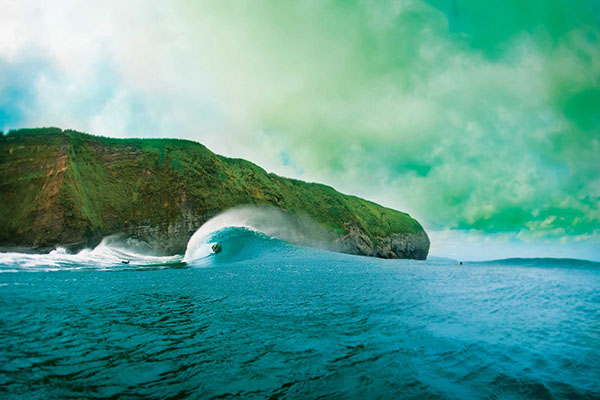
(480, 119)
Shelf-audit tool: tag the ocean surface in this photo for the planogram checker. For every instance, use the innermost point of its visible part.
(268, 319)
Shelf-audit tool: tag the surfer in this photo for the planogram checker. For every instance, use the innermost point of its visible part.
(125, 261)
(216, 248)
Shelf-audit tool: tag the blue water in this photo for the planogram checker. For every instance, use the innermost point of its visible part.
(266, 319)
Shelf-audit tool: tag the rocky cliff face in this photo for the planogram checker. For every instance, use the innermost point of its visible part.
(65, 188)
(396, 245)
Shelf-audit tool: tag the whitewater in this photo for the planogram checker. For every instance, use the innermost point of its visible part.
(277, 314)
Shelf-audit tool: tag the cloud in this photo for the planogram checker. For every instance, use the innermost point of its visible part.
(429, 107)
(112, 68)
(17, 89)
(466, 128)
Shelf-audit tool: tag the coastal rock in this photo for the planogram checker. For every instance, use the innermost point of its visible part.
(396, 245)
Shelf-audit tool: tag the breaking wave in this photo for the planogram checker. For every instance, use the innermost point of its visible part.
(246, 232)
(242, 232)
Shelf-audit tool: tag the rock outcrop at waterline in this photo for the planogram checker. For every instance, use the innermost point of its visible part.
(70, 189)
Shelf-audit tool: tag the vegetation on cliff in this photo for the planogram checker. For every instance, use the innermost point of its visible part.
(70, 188)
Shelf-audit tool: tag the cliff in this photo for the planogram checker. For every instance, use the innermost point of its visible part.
(70, 189)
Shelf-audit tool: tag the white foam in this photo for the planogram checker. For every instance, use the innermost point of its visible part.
(108, 254)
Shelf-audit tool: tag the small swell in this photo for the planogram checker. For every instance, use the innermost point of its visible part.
(542, 262)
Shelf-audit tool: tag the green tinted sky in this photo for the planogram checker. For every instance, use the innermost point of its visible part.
(473, 116)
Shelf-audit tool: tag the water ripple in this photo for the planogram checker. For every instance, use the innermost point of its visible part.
(299, 325)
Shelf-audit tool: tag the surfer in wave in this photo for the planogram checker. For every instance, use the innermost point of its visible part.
(216, 248)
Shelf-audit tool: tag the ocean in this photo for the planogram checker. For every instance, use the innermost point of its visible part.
(267, 319)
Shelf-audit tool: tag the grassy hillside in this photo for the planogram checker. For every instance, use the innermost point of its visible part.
(69, 187)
